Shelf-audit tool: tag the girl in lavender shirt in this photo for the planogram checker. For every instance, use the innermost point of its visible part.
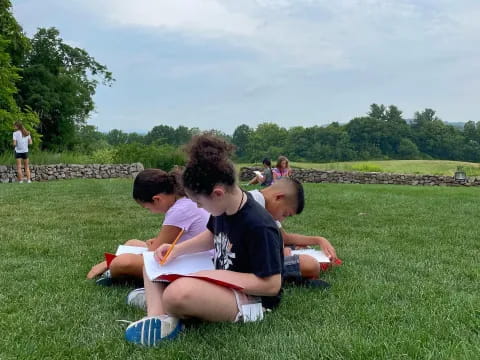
(282, 170)
(161, 193)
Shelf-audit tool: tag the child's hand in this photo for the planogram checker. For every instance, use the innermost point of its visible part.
(287, 251)
(161, 251)
(327, 248)
(151, 244)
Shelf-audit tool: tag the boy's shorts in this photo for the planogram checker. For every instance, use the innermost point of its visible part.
(21, 155)
(244, 299)
(291, 267)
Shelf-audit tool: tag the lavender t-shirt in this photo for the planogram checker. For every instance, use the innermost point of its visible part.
(185, 215)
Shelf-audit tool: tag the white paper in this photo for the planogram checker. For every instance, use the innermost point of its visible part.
(182, 265)
(126, 249)
(317, 254)
(256, 172)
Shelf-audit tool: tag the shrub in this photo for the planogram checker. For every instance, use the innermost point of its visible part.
(104, 156)
(151, 156)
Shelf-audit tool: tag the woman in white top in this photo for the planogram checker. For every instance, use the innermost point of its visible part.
(21, 140)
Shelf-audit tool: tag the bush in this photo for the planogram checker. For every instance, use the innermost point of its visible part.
(104, 156)
(151, 156)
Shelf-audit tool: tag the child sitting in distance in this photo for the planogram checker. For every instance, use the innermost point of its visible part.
(265, 179)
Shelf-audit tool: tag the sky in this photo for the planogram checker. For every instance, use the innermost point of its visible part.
(217, 64)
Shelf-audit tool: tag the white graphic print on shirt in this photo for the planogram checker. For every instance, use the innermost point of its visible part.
(223, 255)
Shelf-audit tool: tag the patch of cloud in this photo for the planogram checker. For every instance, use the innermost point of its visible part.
(306, 33)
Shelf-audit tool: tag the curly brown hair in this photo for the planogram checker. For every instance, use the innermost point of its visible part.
(208, 164)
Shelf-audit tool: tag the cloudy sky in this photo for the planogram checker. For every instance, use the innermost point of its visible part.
(221, 63)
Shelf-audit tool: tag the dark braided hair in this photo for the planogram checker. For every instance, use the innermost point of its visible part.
(151, 182)
(208, 164)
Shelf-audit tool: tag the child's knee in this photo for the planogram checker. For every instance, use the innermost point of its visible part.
(125, 263)
(135, 242)
(177, 297)
(309, 266)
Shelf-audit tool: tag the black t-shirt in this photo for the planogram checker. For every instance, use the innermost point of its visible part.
(249, 242)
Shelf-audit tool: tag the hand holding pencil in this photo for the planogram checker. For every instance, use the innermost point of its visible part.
(166, 252)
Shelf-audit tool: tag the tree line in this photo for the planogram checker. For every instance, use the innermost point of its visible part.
(383, 133)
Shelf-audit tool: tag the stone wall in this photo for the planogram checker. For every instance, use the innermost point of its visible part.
(355, 177)
(72, 171)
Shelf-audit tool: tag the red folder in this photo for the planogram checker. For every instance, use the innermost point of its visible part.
(173, 277)
(109, 258)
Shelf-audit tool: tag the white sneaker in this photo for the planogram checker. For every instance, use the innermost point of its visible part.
(29, 181)
(137, 298)
(151, 331)
(20, 182)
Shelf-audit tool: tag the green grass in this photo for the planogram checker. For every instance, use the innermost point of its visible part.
(428, 167)
(408, 289)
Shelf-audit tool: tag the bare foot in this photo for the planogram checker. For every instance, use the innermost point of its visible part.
(97, 270)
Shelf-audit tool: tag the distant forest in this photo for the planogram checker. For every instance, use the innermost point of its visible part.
(382, 134)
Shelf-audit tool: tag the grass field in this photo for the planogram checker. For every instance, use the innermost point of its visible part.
(408, 289)
(428, 167)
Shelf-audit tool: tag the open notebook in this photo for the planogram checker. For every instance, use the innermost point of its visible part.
(182, 266)
(317, 254)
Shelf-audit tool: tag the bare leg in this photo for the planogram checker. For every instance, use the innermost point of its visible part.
(309, 266)
(101, 267)
(127, 265)
(154, 296)
(19, 169)
(135, 242)
(258, 179)
(253, 181)
(27, 169)
(188, 297)
(97, 270)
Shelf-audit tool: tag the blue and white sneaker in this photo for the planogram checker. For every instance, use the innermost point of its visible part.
(105, 279)
(152, 330)
(137, 298)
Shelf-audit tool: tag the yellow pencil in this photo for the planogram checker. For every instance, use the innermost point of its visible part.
(171, 247)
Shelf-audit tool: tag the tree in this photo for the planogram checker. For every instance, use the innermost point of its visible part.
(59, 82)
(268, 140)
(88, 139)
(160, 135)
(435, 138)
(407, 149)
(116, 137)
(241, 137)
(18, 43)
(297, 144)
(9, 111)
(135, 138)
(13, 44)
(182, 135)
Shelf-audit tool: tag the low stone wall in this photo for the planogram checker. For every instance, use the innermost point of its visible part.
(356, 177)
(72, 171)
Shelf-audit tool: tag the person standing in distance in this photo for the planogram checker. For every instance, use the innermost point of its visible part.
(21, 140)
